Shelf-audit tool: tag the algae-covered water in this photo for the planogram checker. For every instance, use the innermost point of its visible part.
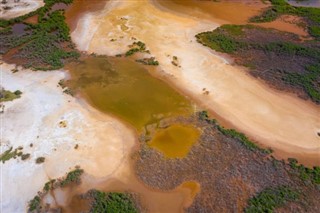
(126, 89)
(175, 141)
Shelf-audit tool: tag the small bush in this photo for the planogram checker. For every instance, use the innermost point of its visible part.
(271, 198)
(40, 160)
(111, 202)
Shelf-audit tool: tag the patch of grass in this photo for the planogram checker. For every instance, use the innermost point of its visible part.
(203, 115)
(307, 81)
(306, 174)
(72, 177)
(112, 202)
(6, 95)
(271, 198)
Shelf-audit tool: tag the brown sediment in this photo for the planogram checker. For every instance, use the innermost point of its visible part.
(32, 19)
(147, 198)
(79, 7)
(288, 23)
(234, 12)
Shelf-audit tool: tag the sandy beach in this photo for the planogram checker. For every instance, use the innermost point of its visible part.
(274, 119)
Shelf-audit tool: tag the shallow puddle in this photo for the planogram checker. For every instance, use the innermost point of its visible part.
(126, 89)
(175, 141)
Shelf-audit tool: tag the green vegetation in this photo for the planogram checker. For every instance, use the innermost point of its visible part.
(281, 7)
(136, 47)
(45, 45)
(6, 95)
(49, 185)
(305, 173)
(10, 153)
(307, 81)
(270, 199)
(148, 61)
(40, 160)
(35, 204)
(112, 202)
(72, 177)
(243, 139)
(203, 115)
(219, 42)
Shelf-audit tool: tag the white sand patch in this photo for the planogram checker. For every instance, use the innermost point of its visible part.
(35, 118)
(13, 8)
(274, 119)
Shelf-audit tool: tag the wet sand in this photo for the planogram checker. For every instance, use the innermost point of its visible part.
(273, 118)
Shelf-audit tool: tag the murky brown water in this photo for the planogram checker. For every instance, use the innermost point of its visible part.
(79, 8)
(230, 11)
(175, 141)
(126, 89)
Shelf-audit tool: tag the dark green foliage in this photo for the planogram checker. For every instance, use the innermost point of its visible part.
(6, 95)
(271, 198)
(148, 61)
(34, 204)
(305, 173)
(219, 42)
(72, 177)
(10, 153)
(307, 81)
(111, 202)
(136, 47)
(17, 92)
(203, 115)
(132, 51)
(281, 7)
(243, 139)
(48, 185)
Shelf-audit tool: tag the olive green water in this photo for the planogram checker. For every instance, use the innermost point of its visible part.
(126, 89)
(175, 141)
